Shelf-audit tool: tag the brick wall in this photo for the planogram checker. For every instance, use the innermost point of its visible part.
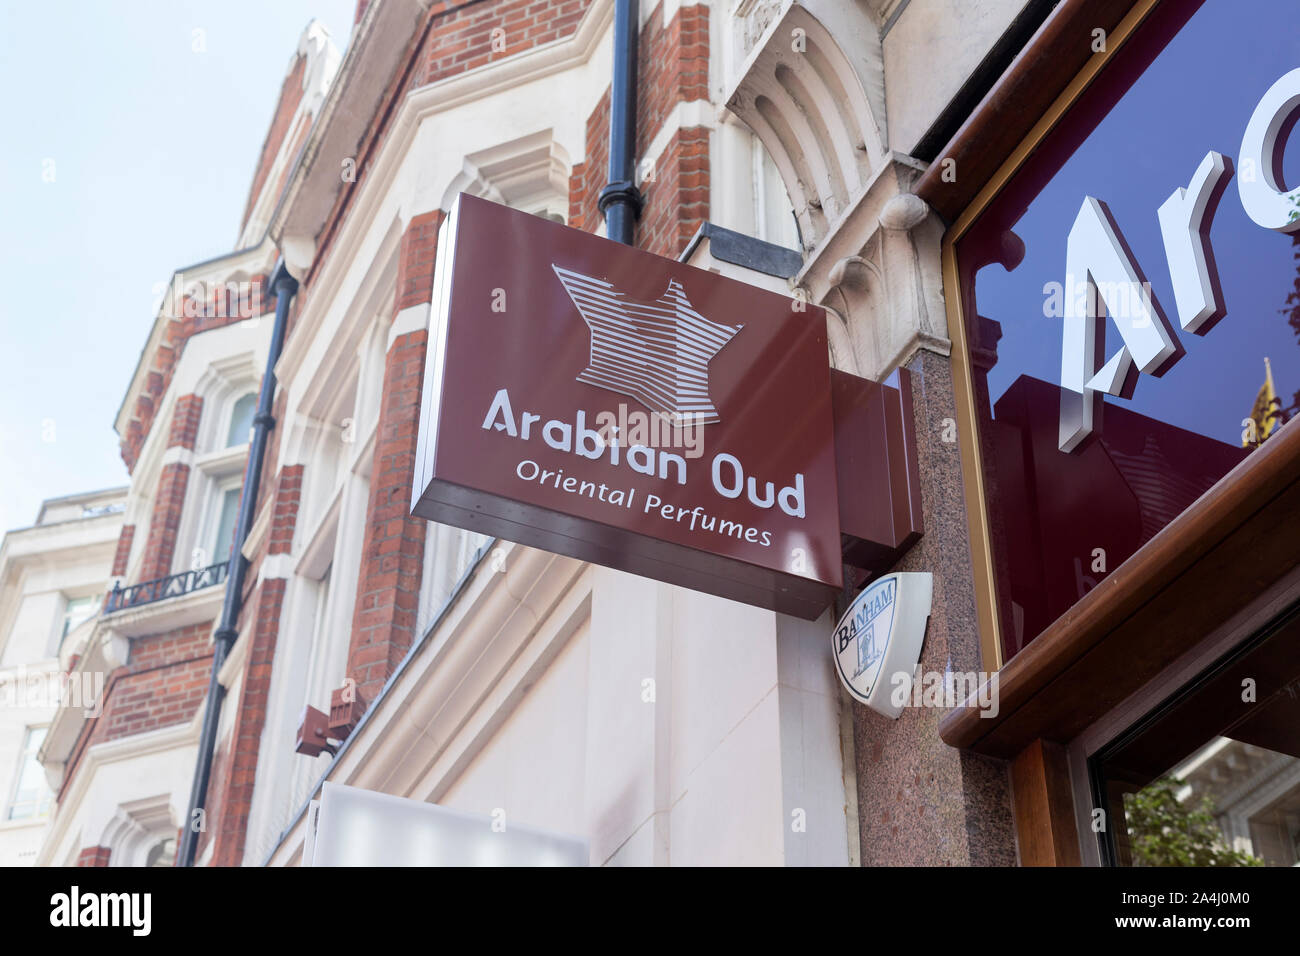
(162, 684)
(164, 522)
(290, 97)
(463, 37)
(230, 792)
(217, 311)
(125, 538)
(94, 856)
(383, 623)
(674, 68)
(284, 511)
(454, 37)
(677, 200)
(234, 765)
(673, 65)
(169, 499)
(266, 489)
(184, 432)
(588, 178)
(416, 259)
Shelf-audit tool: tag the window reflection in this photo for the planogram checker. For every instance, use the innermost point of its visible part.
(1061, 521)
(1213, 778)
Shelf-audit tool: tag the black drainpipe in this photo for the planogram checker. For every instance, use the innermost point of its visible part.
(620, 201)
(283, 286)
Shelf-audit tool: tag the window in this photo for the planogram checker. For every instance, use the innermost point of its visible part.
(1085, 463)
(773, 218)
(448, 554)
(162, 853)
(225, 538)
(32, 795)
(241, 420)
(323, 664)
(75, 611)
(1212, 777)
(322, 606)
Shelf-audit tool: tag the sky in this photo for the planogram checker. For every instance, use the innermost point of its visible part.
(130, 134)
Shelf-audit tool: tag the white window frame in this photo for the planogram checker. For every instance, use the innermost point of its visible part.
(61, 629)
(764, 174)
(228, 419)
(205, 537)
(216, 467)
(18, 775)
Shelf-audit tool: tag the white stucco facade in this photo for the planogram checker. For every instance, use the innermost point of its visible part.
(52, 581)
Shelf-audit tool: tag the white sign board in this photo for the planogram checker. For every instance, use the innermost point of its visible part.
(355, 827)
(880, 636)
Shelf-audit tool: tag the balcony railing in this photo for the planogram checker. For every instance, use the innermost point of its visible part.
(174, 585)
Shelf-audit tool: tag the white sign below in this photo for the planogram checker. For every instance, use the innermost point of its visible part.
(880, 635)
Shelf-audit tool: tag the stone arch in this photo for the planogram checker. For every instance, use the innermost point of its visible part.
(813, 93)
(529, 173)
(137, 827)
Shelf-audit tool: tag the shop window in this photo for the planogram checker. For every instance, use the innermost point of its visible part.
(1212, 778)
(241, 420)
(32, 797)
(1117, 377)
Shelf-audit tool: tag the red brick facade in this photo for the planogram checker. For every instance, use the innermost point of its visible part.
(677, 200)
(415, 262)
(673, 62)
(587, 178)
(455, 37)
(230, 792)
(164, 522)
(284, 514)
(162, 684)
(674, 68)
(167, 674)
(188, 318)
(280, 531)
(184, 432)
(94, 856)
(122, 556)
(290, 97)
(463, 36)
(391, 562)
